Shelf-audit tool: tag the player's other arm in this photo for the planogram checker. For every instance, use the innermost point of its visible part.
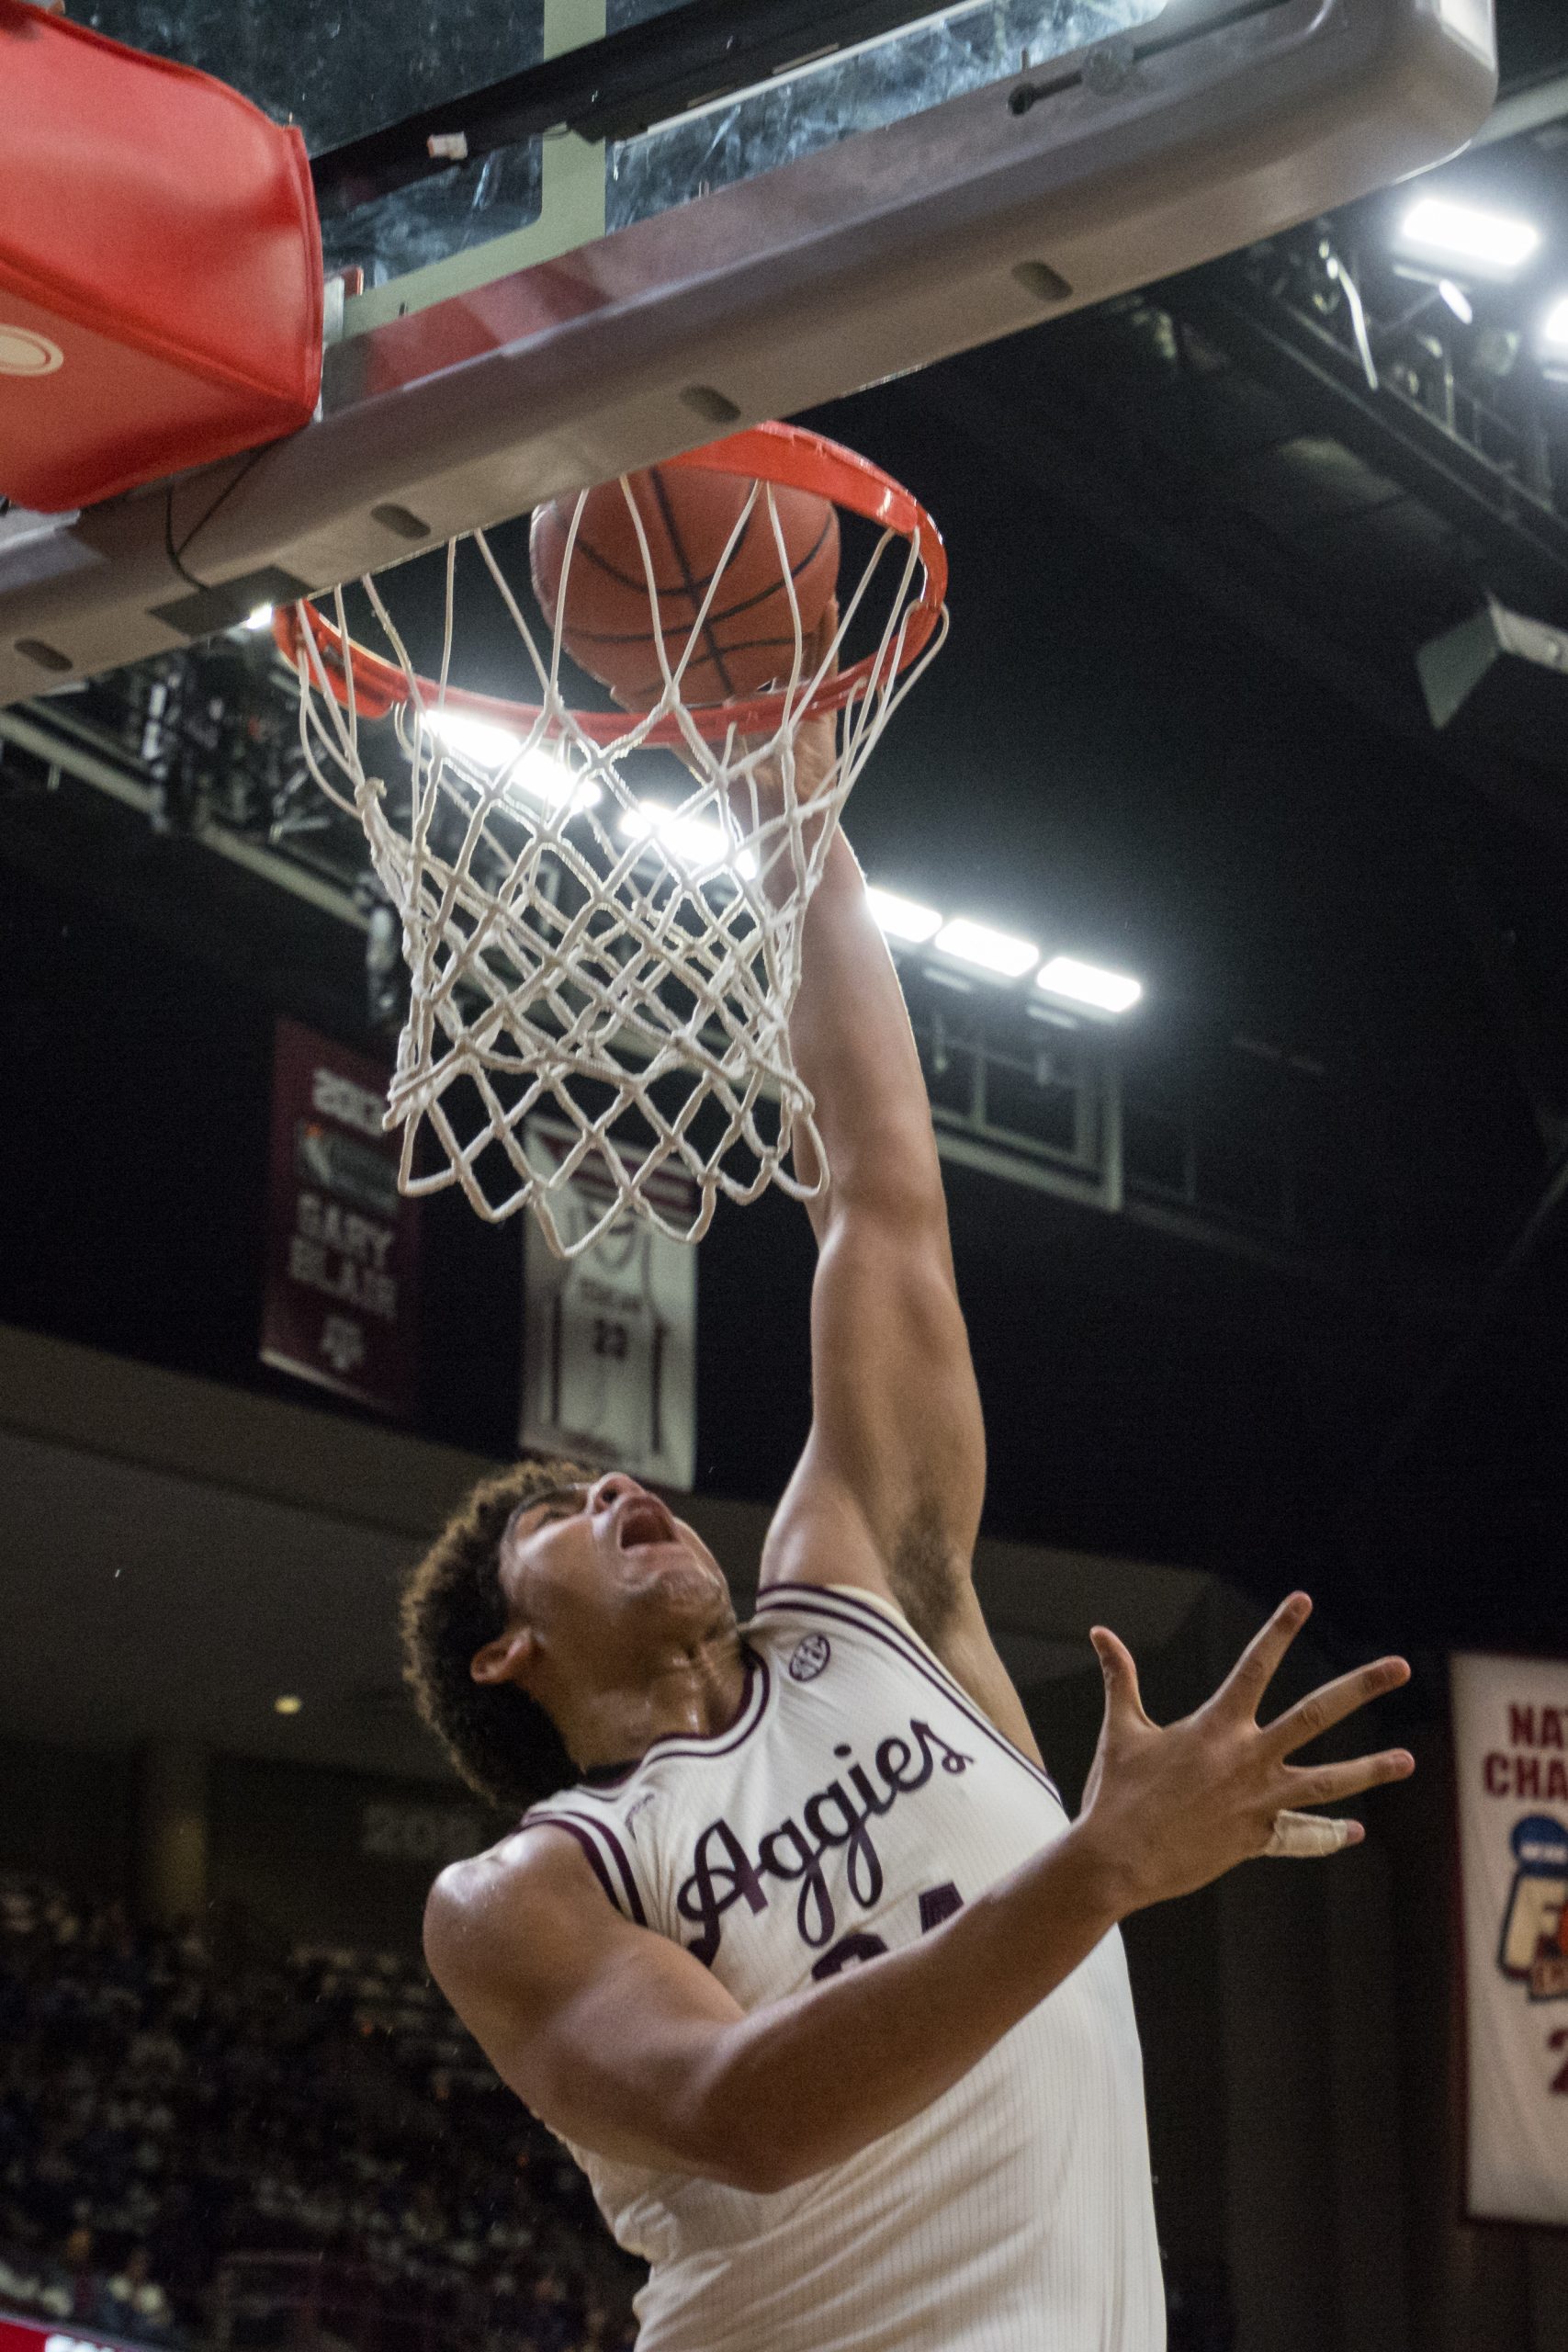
(889, 1491)
(624, 2044)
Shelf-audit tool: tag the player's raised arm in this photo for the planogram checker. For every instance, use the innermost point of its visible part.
(889, 1491)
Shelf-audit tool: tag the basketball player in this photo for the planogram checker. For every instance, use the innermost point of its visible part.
(795, 1947)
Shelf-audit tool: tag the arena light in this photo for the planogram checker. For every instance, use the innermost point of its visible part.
(258, 622)
(1458, 301)
(286, 1703)
(1064, 975)
(902, 919)
(686, 841)
(478, 740)
(1554, 331)
(1467, 234)
(996, 951)
(535, 777)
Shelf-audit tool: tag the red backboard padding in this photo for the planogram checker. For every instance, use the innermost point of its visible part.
(160, 267)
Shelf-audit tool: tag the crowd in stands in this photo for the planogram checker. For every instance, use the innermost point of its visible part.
(164, 2121)
(308, 2154)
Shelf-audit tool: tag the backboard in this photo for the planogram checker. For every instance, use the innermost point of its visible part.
(676, 217)
(726, 91)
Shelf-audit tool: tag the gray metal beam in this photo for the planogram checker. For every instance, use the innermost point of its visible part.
(1525, 110)
(1327, 388)
(55, 746)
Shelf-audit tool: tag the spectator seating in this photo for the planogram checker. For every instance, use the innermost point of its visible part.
(165, 2123)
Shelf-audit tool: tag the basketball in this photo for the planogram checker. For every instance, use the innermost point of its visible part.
(748, 641)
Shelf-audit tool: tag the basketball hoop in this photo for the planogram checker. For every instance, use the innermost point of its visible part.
(575, 946)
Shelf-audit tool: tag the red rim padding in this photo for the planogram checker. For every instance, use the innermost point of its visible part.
(160, 267)
(785, 454)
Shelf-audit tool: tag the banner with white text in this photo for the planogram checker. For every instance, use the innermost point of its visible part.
(19, 2335)
(610, 1338)
(341, 1252)
(1511, 1762)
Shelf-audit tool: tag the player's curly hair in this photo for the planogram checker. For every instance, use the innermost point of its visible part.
(501, 1741)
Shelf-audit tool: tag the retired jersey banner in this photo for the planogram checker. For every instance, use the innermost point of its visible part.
(342, 1252)
(1511, 1760)
(609, 1337)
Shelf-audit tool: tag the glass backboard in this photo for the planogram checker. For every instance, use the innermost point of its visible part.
(341, 73)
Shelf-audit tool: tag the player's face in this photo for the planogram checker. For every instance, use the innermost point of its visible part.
(607, 1559)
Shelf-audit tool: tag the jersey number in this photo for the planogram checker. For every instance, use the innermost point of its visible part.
(937, 1904)
(1558, 2040)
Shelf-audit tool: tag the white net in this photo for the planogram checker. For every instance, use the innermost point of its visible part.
(587, 936)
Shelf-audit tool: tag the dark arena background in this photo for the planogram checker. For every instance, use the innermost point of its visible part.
(1266, 1282)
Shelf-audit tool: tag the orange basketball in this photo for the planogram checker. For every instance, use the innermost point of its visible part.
(748, 641)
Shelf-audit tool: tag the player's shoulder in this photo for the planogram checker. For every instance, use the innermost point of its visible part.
(817, 1630)
(790, 1610)
(476, 1906)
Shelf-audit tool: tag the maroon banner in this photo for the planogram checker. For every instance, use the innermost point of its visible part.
(342, 1253)
(19, 2334)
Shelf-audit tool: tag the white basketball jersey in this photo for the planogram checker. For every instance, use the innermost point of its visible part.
(859, 1799)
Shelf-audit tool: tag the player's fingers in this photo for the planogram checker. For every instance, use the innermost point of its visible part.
(1333, 1702)
(821, 647)
(1332, 1783)
(1303, 1836)
(1121, 1672)
(1243, 1686)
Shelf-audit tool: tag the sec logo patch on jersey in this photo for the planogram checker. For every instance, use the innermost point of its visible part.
(808, 1657)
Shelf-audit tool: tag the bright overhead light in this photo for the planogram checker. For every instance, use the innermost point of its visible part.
(686, 841)
(1555, 333)
(1458, 301)
(1088, 984)
(1463, 232)
(903, 919)
(991, 951)
(258, 621)
(287, 1704)
(478, 740)
(537, 775)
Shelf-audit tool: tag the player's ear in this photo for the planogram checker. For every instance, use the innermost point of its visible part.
(506, 1660)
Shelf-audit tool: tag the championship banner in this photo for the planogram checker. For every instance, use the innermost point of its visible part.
(609, 1339)
(342, 1248)
(1511, 1764)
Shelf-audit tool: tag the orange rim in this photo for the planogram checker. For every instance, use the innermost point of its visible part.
(785, 454)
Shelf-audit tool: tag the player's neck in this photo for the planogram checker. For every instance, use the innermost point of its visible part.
(695, 1687)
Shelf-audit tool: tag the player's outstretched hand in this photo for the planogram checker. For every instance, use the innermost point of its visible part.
(1166, 1811)
(756, 791)
(817, 739)
(759, 793)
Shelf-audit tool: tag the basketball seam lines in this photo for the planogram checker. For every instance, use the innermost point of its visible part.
(585, 548)
(731, 611)
(611, 638)
(715, 655)
(641, 636)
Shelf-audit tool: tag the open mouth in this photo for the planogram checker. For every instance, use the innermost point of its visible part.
(640, 1519)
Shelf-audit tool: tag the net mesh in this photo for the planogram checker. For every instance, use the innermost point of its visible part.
(587, 938)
